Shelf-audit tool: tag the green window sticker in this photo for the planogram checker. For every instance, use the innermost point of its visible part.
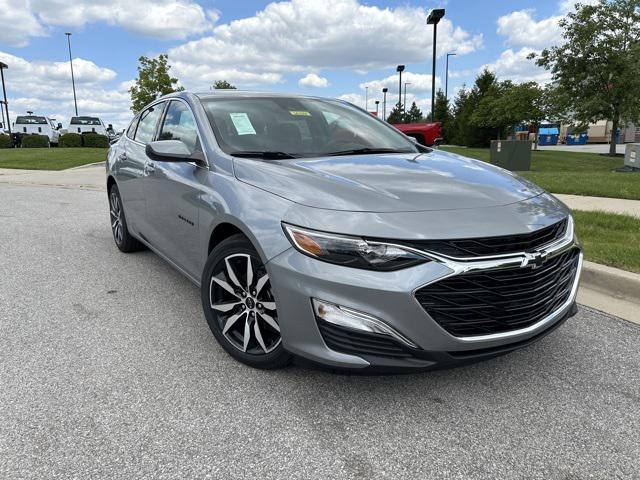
(300, 113)
(242, 123)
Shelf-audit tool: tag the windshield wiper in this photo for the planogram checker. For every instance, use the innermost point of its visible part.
(366, 150)
(264, 154)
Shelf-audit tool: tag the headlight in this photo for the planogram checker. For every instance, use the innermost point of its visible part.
(350, 251)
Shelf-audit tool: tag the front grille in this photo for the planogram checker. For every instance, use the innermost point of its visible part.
(355, 342)
(494, 301)
(487, 246)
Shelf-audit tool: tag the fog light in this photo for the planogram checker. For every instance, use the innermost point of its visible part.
(356, 320)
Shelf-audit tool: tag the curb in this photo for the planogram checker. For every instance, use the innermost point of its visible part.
(611, 281)
(86, 165)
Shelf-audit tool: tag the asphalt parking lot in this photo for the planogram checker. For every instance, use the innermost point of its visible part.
(108, 370)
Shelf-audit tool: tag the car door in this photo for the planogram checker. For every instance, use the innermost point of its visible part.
(131, 173)
(173, 193)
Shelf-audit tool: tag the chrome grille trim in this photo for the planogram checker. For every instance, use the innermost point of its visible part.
(461, 266)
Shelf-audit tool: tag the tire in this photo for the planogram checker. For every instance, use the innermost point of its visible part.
(124, 241)
(240, 307)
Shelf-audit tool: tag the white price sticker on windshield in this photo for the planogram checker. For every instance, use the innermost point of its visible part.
(242, 123)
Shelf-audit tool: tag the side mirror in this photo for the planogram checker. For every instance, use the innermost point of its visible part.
(168, 151)
(59, 126)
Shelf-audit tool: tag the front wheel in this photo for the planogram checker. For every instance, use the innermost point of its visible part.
(240, 307)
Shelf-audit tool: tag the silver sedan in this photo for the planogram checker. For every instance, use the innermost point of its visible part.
(317, 231)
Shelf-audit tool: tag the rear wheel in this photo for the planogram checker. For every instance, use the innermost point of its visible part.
(124, 241)
(240, 307)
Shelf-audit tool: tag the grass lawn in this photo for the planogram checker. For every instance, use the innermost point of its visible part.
(572, 172)
(50, 158)
(610, 239)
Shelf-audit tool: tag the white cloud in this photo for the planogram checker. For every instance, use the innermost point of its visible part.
(461, 73)
(521, 29)
(164, 19)
(18, 23)
(420, 84)
(517, 67)
(567, 6)
(313, 80)
(45, 87)
(307, 35)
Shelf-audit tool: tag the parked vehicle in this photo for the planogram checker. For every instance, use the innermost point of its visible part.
(315, 230)
(86, 125)
(35, 125)
(428, 134)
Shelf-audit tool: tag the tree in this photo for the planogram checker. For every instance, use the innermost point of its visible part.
(530, 104)
(153, 81)
(441, 113)
(414, 115)
(597, 69)
(493, 111)
(464, 128)
(222, 85)
(396, 115)
(460, 120)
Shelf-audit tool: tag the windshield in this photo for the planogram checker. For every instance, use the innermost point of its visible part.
(31, 120)
(302, 127)
(85, 121)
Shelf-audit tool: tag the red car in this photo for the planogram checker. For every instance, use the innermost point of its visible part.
(428, 134)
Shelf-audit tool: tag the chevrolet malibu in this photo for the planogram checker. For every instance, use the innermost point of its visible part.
(315, 230)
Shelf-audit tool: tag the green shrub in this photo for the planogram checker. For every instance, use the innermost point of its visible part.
(35, 141)
(5, 141)
(95, 141)
(70, 140)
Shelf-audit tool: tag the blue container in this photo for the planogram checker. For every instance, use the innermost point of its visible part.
(548, 139)
(577, 139)
(548, 136)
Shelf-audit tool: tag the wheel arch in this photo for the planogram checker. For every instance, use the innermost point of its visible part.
(110, 182)
(221, 232)
(227, 226)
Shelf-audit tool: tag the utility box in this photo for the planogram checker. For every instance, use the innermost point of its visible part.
(632, 156)
(514, 155)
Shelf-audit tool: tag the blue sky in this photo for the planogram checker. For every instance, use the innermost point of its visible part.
(325, 47)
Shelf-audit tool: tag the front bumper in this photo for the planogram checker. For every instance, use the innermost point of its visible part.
(389, 296)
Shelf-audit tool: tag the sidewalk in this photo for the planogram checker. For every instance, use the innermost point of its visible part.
(588, 148)
(610, 205)
(91, 177)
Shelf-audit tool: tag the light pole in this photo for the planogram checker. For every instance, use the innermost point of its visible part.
(446, 77)
(73, 80)
(4, 92)
(377, 103)
(384, 103)
(366, 98)
(434, 17)
(399, 69)
(405, 96)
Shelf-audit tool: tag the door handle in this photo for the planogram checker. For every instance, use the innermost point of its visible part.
(149, 168)
(122, 157)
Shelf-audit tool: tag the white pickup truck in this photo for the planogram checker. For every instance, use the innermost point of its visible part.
(36, 125)
(86, 125)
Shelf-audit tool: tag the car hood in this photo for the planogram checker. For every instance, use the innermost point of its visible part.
(398, 182)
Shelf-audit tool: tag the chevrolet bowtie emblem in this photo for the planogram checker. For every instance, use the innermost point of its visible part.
(534, 259)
